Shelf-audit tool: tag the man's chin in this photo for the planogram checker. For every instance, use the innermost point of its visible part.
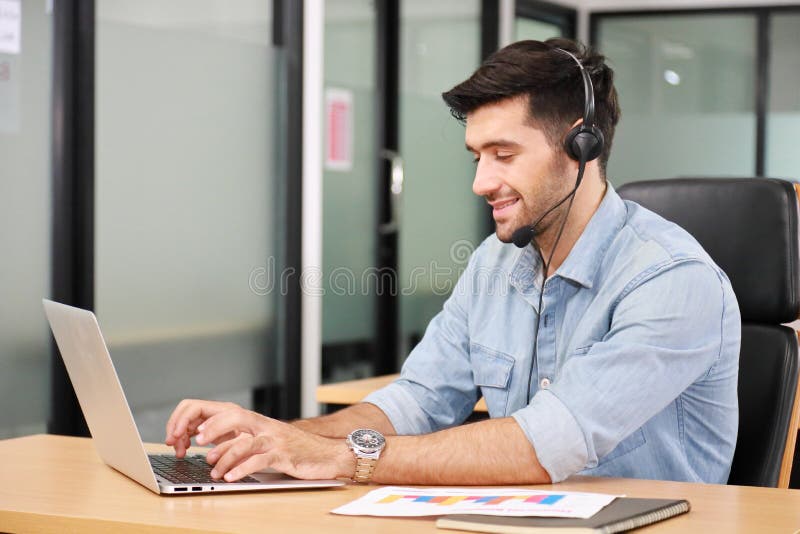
(504, 233)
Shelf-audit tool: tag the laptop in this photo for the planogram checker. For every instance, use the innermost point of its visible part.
(113, 429)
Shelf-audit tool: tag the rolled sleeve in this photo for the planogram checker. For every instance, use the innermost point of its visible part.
(436, 389)
(402, 408)
(555, 435)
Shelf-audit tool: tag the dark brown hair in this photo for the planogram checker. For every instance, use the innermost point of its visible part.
(552, 82)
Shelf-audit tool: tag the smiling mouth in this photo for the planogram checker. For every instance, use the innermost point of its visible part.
(500, 208)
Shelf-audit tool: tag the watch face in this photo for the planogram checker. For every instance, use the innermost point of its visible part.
(368, 440)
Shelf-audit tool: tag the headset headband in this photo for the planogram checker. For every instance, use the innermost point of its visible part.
(588, 91)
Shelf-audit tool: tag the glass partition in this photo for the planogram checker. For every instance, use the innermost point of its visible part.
(686, 88)
(186, 194)
(25, 201)
(783, 119)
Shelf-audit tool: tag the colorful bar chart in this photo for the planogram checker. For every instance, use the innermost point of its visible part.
(476, 499)
(398, 501)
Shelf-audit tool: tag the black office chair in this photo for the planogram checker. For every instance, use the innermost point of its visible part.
(749, 226)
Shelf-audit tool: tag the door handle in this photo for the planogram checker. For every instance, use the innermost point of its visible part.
(397, 178)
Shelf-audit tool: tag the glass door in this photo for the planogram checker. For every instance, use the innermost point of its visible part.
(442, 221)
(351, 182)
(400, 219)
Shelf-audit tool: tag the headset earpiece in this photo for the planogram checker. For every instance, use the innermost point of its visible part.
(584, 143)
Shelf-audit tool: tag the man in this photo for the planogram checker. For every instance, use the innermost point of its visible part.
(630, 369)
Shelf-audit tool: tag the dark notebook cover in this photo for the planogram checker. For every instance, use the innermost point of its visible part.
(622, 514)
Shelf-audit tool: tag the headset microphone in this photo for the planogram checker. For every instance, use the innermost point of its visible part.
(522, 237)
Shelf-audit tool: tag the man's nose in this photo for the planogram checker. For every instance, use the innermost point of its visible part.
(486, 182)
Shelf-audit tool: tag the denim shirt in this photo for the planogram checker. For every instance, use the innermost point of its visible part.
(636, 366)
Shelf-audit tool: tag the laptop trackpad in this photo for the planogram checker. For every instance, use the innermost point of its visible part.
(275, 477)
(270, 475)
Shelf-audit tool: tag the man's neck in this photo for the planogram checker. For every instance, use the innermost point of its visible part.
(587, 199)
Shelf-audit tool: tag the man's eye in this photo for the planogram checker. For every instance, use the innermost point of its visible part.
(475, 160)
(504, 157)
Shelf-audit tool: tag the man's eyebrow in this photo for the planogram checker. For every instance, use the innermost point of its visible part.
(494, 143)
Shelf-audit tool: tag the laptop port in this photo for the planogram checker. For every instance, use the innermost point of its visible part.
(180, 489)
(196, 488)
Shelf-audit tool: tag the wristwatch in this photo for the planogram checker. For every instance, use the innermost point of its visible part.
(367, 445)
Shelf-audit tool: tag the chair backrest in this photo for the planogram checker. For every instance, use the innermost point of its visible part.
(749, 226)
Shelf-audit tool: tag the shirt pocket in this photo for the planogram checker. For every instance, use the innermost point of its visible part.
(491, 371)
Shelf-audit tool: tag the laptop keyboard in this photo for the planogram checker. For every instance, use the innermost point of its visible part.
(188, 470)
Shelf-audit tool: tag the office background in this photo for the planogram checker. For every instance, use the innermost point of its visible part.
(156, 162)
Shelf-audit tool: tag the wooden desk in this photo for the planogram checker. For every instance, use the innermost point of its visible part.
(354, 391)
(59, 484)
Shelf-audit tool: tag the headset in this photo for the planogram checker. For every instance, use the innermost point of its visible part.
(584, 142)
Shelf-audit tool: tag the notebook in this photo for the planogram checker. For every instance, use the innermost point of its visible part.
(111, 423)
(621, 515)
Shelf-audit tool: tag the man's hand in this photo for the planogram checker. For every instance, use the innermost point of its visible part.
(185, 419)
(262, 442)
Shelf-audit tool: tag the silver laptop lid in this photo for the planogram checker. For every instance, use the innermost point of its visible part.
(99, 391)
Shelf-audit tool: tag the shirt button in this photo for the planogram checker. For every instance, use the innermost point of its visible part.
(545, 383)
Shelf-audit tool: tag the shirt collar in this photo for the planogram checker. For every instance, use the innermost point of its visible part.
(586, 255)
(526, 275)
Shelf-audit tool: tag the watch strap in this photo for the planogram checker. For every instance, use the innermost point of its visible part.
(364, 469)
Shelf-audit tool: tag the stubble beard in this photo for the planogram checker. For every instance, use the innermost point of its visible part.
(555, 191)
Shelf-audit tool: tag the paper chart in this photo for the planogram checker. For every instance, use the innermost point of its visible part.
(405, 502)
